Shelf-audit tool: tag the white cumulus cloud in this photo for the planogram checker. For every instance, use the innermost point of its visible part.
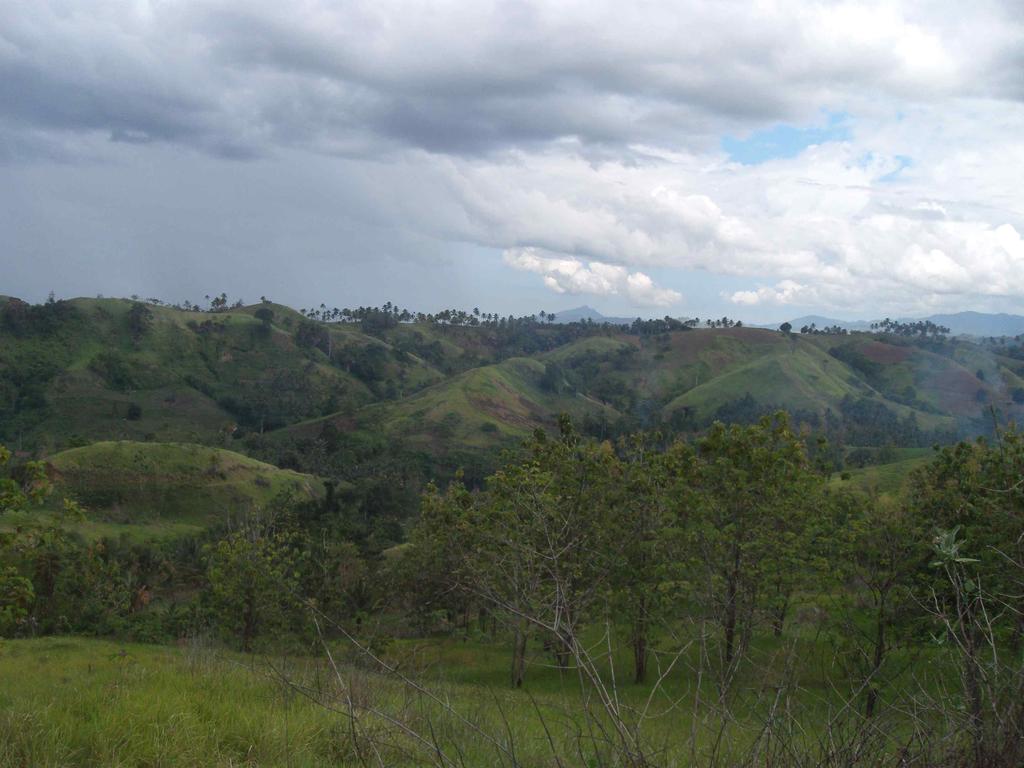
(570, 275)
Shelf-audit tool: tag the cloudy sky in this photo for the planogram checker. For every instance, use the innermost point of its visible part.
(756, 158)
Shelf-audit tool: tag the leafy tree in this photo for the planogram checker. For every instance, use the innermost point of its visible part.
(33, 487)
(115, 369)
(753, 487)
(41, 570)
(266, 316)
(651, 503)
(435, 567)
(16, 591)
(16, 599)
(253, 577)
(538, 542)
(338, 579)
(140, 320)
(976, 489)
(878, 553)
(553, 378)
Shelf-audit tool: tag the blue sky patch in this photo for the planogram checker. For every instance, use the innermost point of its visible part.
(784, 140)
(904, 162)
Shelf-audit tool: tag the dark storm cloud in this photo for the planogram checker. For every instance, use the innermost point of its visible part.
(365, 78)
(35, 97)
(520, 84)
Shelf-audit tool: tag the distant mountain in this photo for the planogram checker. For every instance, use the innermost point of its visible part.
(820, 321)
(980, 324)
(825, 322)
(959, 323)
(584, 313)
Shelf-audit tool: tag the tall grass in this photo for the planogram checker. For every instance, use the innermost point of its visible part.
(79, 702)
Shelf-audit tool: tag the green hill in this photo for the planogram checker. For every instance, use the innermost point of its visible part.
(476, 412)
(336, 398)
(168, 488)
(707, 374)
(797, 377)
(89, 369)
(883, 479)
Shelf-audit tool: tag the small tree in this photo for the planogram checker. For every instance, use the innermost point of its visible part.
(140, 319)
(537, 544)
(880, 549)
(754, 486)
(253, 579)
(265, 316)
(651, 509)
(34, 556)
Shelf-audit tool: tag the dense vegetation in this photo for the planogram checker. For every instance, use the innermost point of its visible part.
(475, 540)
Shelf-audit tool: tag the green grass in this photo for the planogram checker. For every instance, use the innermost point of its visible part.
(72, 701)
(192, 374)
(795, 376)
(884, 479)
(485, 408)
(595, 345)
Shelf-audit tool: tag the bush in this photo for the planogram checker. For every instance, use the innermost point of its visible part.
(115, 370)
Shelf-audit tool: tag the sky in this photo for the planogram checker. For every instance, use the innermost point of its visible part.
(760, 159)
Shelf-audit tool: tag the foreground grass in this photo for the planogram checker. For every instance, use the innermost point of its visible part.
(74, 702)
(80, 702)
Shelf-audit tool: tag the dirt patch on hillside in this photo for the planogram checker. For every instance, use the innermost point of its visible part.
(691, 346)
(501, 411)
(760, 335)
(956, 389)
(509, 407)
(879, 352)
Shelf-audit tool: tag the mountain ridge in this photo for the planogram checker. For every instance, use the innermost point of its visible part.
(966, 323)
(584, 313)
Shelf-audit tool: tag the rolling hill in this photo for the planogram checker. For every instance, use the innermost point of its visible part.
(84, 370)
(338, 398)
(167, 489)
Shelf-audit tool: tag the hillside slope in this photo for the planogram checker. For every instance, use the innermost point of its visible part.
(89, 369)
(183, 486)
(335, 398)
(479, 411)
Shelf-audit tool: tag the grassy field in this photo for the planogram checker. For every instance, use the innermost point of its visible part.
(72, 701)
(885, 479)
